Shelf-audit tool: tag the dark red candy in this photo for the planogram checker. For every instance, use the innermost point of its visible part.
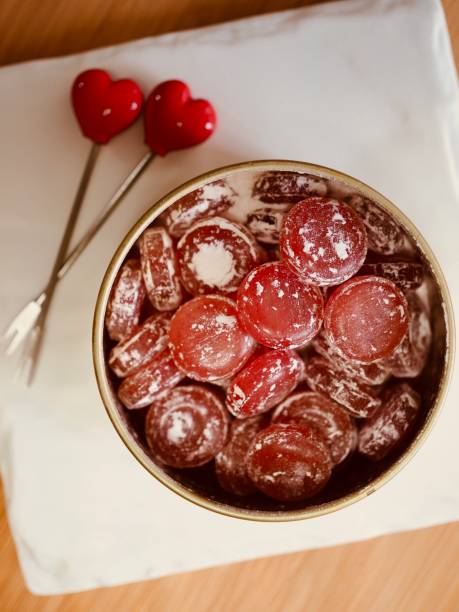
(323, 240)
(410, 357)
(215, 255)
(263, 383)
(287, 187)
(329, 418)
(265, 223)
(140, 347)
(207, 340)
(405, 274)
(375, 373)
(359, 399)
(125, 302)
(187, 427)
(231, 462)
(103, 107)
(159, 269)
(366, 318)
(207, 201)
(384, 431)
(289, 462)
(385, 236)
(174, 120)
(147, 384)
(277, 309)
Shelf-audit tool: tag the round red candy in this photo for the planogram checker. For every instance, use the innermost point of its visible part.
(277, 309)
(215, 255)
(187, 427)
(359, 399)
(329, 418)
(263, 383)
(289, 462)
(323, 240)
(383, 432)
(231, 462)
(366, 318)
(152, 380)
(207, 340)
(159, 269)
(207, 201)
(125, 302)
(139, 348)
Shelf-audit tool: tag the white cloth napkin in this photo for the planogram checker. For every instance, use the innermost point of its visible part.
(367, 87)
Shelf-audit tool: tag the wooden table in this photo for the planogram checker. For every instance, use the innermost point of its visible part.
(416, 571)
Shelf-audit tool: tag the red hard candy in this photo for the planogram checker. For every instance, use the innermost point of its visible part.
(277, 309)
(207, 201)
(265, 223)
(207, 341)
(329, 418)
(103, 107)
(215, 255)
(410, 357)
(231, 461)
(174, 120)
(323, 240)
(263, 383)
(359, 399)
(159, 269)
(384, 431)
(366, 318)
(287, 187)
(151, 381)
(141, 346)
(405, 274)
(125, 302)
(187, 427)
(289, 462)
(369, 373)
(385, 236)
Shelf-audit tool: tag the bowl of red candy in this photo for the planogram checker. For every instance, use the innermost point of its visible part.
(273, 340)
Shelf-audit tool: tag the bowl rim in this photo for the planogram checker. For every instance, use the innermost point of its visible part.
(111, 405)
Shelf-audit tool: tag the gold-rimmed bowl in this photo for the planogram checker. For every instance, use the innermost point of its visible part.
(357, 477)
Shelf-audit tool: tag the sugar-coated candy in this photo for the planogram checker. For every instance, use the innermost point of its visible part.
(207, 340)
(384, 431)
(187, 427)
(231, 461)
(147, 384)
(289, 462)
(409, 359)
(405, 274)
(265, 223)
(159, 269)
(287, 187)
(316, 410)
(277, 309)
(215, 254)
(359, 399)
(141, 346)
(264, 382)
(375, 373)
(125, 302)
(385, 236)
(207, 201)
(323, 240)
(366, 318)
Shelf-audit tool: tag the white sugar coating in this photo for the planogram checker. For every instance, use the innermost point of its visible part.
(342, 249)
(224, 224)
(228, 320)
(213, 264)
(180, 424)
(245, 203)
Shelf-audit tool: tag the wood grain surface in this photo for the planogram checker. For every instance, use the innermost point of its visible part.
(410, 572)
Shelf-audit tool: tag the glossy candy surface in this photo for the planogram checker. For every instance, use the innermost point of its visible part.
(277, 309)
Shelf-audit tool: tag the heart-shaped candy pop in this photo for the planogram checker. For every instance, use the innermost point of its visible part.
(174, 120)
(103, 107)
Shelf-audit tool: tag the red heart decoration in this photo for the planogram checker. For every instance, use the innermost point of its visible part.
(103, 107)
(174, 120)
